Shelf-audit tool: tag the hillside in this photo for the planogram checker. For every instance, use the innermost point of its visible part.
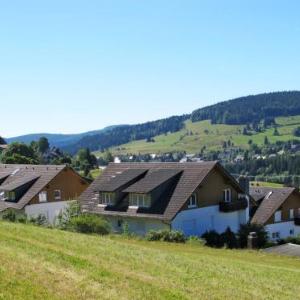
(196, 135)
(37, 263)
(57, 140)
(240, 111)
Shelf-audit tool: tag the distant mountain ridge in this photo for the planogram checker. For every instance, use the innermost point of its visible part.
(243, 110)
(58, 140)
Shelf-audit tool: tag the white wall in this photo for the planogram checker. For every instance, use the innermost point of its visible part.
(50, 210)
(138, 226)
(198, 221)
(283, 228)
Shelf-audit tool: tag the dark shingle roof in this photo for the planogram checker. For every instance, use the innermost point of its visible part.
(43, 175)
(18, 183)
(191, 176)
(152, 180)
(114, 182)
(272, 199)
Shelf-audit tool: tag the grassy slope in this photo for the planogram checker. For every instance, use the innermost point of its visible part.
(211, 136)
(38, 263)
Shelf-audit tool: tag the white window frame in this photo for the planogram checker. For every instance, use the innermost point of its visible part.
(139, 200)
(107, 198)
(43, 197)
(57, 197)
(292, 213)
(227, 195)
(192, 202)
(278, 216)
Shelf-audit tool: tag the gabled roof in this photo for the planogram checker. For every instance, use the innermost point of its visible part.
(113, 183)
(272, 199)
(191, 176)
(20, 173)
(152, 180)
(19, 182)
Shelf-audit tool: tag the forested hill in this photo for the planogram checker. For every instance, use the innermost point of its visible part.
(250, 109)
(126, 133)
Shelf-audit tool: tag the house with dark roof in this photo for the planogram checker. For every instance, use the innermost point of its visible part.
(191, 197)
(39, 189)
(278, 209)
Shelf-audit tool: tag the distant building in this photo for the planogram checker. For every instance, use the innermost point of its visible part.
(39, 189)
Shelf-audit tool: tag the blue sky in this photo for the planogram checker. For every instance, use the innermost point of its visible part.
(73, 66)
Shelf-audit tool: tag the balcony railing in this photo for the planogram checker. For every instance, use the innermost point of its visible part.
(233, 205)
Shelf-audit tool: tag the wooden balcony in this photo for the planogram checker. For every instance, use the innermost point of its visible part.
(234, 205)
(297, 220)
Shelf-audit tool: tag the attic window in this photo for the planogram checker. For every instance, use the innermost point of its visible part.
(43, 197)
(227, 195)
(107, 198)
(277, 216)
(192, 203)
(140, 200)
(57, 194)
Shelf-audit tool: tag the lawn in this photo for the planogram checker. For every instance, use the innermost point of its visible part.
(37, 263)
(196, 135)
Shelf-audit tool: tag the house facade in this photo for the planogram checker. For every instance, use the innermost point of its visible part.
(190, 197)
(39, 189)
(278, 209)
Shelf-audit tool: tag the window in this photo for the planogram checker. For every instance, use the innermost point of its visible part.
(107, 198)
(227, 195)
(140, 200)
(57, 195)
(292, 232)
(120, 223)
(277, 216)
(192, 201)
(43, 197)
(10, 196)
(291, 213)
(275, 235)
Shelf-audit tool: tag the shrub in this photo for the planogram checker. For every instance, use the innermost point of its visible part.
(195, 240)
(89, 223)
(213, 239)
(70, 211)
(9, 215)
(40, 220)
(245, 229)
(171, 236)
(291, 239)
(229, 239)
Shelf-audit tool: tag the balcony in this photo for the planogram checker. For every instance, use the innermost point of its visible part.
(297, 220)
(234, 205)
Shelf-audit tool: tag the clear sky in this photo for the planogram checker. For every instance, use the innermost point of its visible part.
(72, 66)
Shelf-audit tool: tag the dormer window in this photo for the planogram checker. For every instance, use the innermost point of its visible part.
(140, 200)
(192, 202)
(107, 198)
(227, 195)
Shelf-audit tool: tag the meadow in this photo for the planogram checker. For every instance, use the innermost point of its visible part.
(40, 263)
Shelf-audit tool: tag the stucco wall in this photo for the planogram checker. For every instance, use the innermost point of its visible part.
(198, 221)
(139, 226)
(283, 228)
(50, 210)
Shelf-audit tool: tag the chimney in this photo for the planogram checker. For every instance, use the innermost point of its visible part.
(252, 240)
(244, 183)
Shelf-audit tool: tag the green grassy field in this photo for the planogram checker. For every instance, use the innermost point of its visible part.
(210, 135)
(37, 263)
(266, 184)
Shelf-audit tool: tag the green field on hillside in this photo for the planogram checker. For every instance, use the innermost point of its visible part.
(196, 135)
(38, 263)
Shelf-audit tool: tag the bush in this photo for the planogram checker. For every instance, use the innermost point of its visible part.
(9, 215)
(292, 240)
(70, 211)
(245, 229)
(40, 220)
(166, 236)
(12, 215)
(229, 239)
(213, 239)
(89, 223)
